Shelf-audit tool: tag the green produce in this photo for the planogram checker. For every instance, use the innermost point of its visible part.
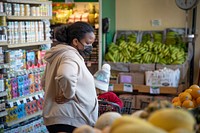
(146, 37)
(157, 37)
(149, 52)
(132, 38)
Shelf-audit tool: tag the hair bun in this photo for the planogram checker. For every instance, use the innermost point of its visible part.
(62, 33)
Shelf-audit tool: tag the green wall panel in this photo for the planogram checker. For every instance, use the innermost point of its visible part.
(108, 10)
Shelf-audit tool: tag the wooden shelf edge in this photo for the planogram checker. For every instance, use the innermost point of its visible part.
(29, 2)
(28, 44)
(24, 119)
(28, 17)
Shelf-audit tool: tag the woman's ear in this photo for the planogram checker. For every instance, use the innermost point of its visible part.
(75, 42)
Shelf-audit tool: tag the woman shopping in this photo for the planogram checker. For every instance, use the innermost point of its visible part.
(70, 95)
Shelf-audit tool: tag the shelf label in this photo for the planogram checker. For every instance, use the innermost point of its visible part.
(18, 102)
(110, 88)
(128, 88)
(11, 104)
(154, 90)
(31, 99)
(36, 97)
(24, 100)
(41, 96)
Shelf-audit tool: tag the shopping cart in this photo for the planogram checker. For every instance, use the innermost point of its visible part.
(105, 106)
(128, 103)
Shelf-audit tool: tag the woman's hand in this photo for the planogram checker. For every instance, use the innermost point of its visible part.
(61, 99)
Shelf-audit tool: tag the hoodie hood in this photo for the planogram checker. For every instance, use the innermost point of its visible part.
(58, 50)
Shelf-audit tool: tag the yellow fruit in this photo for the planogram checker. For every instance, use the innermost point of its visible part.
(169, 119)
(194, 87)
(127, 119)
(106, 130)
(185, 96)
(198, 101)
(135, 128)
(195, 93)
(188, 90)
(177, 104)
(175, 99)
(188, 104)
(194, 102)
(106, 119)
(181, 130)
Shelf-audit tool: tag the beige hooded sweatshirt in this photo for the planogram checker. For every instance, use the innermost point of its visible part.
(67, 74)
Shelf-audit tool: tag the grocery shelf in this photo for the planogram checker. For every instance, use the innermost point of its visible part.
(3, 93)
(4, 113)
(28, 44)
(26, 96)
(24, 119)
(23, 72)
(29, 1)
(2, 14)
(28, 17)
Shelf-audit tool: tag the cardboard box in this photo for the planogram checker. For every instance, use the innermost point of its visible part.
(142, 101)
(131, 78)
(141, 67)
(119, 66)
(168, 98)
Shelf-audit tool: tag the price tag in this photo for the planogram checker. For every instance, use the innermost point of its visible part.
(31, 99)
(154, 90)
(11, 104)
(18, 102)
(128, 88)
(110, 88)
(24, 100)
(36, 97)
(41, 96)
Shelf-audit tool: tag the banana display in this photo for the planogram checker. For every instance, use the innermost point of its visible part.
(149, 52)
(173, 38)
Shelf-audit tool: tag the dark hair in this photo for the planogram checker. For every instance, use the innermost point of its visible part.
(77, 30)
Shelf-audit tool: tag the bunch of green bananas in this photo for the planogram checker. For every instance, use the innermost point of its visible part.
(146, 37)
(157, 37)
(149, 52)
(132, 38)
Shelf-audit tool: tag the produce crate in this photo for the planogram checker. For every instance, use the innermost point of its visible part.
(119, 66)
(141, 67)
(126, 33)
